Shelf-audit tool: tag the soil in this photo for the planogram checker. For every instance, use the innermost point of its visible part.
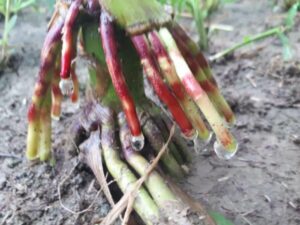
(260, 185)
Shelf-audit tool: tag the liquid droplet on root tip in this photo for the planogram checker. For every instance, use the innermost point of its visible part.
(66, 86)
(222, 153)
(208, 140)
(138, 142)
(201, 147)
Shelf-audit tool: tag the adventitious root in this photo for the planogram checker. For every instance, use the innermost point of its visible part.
(56, 92)
(169, 72)
(155, 201)
(121, 45)
(197, 93)
(67, 39)
(202, 72)
(118, 80)
(47, 67)
(152, 73)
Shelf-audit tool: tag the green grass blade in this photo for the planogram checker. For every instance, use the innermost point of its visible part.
(286, 47)
(11, 23)
(219, 218)
(290, 19)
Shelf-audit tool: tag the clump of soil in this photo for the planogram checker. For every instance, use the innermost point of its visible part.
(261, 185)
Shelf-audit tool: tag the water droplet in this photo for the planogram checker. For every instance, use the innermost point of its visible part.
(208, 140)
(138, 142)
(228, 125)
(66, 86)
(223, 153)
(201, 147)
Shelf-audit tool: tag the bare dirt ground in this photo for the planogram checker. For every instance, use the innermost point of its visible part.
(260, 186)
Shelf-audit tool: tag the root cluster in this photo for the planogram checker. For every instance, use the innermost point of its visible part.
(171, 62)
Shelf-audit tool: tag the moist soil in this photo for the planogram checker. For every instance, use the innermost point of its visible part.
(260, 185)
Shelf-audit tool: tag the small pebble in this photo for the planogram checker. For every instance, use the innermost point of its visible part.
(21, 189)
(3, 181)
(296, 139)
(267, 198)
(12, 162)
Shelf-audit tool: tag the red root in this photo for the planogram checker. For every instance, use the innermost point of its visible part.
(115, 70)
(56, 92)
(75, 93)
(169, 72)
(152, 72)
(48, 57)
(67, 39)
(31, 114)
(201, 70)
(182, 39)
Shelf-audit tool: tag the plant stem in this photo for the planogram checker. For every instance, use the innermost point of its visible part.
(5, 32)
(248, 40)
(198, 15)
